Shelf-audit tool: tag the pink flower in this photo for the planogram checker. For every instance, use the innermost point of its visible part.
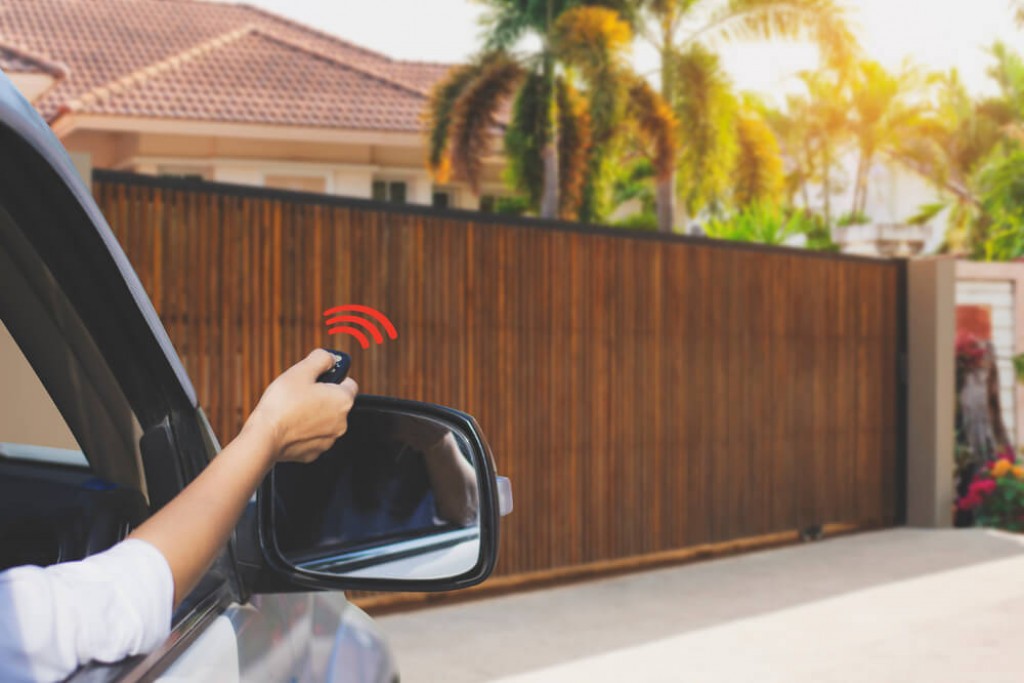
(969, 502)
(981, 487)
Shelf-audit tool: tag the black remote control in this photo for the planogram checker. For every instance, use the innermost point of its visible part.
(339, 371)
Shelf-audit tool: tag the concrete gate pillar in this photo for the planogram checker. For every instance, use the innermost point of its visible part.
(931, 409)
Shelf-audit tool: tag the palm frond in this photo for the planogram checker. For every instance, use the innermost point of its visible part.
(506, 22)
(526, 136)
(473, 116)
(574, 140)
(706, 109)
(926, 213)
(824, 22)
(439, 115)
(592, 39)
(758, 175)
(656, 123)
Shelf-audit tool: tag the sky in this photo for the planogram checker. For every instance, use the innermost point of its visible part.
(937, 34)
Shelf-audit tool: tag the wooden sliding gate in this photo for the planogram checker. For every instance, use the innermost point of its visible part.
(644, 394)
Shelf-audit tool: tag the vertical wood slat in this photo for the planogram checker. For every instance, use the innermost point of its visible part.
(643, 395)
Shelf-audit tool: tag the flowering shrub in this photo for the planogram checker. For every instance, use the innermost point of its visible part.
(970, 352)
(996, 494)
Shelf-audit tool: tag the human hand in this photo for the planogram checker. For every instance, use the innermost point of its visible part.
(301, 417)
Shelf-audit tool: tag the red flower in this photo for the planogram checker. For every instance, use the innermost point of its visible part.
(981, 487)
(969, 502)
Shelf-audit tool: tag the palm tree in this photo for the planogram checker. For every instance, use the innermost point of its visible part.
(758, 177)
(822, 116)
(962, 148)
(708, 105)
(569, 98)
(887, 113)
(684, 31)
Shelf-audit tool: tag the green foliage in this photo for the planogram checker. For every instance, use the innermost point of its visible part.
(857, 218)
(758, 175)
(1018, 367)
(706, 108)
(474, 113)
(441, 105)
(512, 206)
(1008, 73)
(1001, 188)
(926, 213)
(526, 136)
(760, 222)
(813, 132)
(643, 220)
(631, 180)
(574, 147)
(572, 91)
(888, 111)
(819, 236)
(996, 494)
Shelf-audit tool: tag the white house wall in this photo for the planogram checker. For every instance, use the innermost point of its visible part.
(895, 193)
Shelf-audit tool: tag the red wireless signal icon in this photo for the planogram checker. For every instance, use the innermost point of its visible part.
(358, 326)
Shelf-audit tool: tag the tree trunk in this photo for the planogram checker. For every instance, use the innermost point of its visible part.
(665, 190)
(666, 202)
(549, 198)
(868, 160)
(826, 176)
(857, 183)
(549, 153)
(805, 175)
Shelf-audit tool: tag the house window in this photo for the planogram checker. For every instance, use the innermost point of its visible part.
(441, 199)
(389, 191)
(297, 183)
(183, 172)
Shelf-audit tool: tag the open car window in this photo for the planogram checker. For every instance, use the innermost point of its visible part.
(31, 427)
(71, 484)
(59, 402)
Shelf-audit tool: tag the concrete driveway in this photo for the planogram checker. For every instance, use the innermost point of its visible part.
(899, 605)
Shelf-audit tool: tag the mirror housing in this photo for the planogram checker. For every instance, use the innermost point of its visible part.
(334, 566)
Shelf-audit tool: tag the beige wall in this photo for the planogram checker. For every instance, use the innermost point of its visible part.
(930, 401)
(342, 168)
(32, 86)
(27, 415)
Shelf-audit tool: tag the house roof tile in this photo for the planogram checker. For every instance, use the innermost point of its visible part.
(14, 59)
(190, 59)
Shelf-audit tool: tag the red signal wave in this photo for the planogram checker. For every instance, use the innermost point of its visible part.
(357, 333)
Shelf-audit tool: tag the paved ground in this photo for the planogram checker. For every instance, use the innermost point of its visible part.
(900, 605)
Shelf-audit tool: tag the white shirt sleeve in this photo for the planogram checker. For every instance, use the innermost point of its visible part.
(104, 608)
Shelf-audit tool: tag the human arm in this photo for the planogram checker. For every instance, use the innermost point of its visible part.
(119, 602)
(296, 420)
(453, 480)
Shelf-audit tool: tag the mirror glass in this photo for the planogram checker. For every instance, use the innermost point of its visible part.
(396, 497)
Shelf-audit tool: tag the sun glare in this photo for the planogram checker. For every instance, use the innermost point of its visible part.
(934, 34)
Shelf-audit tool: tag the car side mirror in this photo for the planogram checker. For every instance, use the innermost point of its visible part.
(406, 500)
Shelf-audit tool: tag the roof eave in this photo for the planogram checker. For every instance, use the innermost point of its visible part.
(69, 121)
